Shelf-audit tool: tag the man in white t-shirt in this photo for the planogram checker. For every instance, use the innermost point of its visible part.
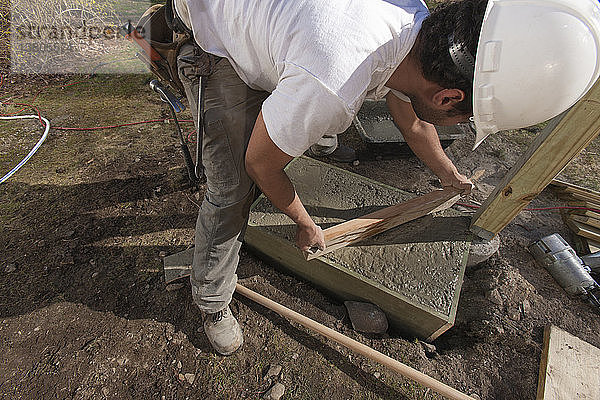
(287, 73)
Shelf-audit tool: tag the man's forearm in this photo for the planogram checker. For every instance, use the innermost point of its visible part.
(424, 142)
(276, 185)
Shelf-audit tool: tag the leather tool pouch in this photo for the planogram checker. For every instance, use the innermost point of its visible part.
(154, 28)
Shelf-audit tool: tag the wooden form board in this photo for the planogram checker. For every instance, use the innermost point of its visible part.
(563, 138)
(569, 368)
(428, 255)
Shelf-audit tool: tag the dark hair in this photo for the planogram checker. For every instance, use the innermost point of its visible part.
(462, 19)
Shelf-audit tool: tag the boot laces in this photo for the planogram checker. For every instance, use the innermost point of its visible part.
(218, 316)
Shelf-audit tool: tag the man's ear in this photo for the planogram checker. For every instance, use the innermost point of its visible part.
(447, 98)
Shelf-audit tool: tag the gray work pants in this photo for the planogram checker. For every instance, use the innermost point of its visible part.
(230, 111)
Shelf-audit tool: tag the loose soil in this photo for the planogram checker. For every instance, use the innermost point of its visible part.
(84, 313)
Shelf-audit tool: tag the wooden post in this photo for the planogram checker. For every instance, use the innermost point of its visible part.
(563, 138)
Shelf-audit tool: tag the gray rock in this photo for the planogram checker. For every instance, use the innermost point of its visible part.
(482, 249)
(366, 317)
(430, 350)
(190, 378)
(10, 268)
(275, 393)
(174, 287)
(273, 372)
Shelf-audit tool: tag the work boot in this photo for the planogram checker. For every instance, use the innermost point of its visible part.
(223, 331)
(342, 153)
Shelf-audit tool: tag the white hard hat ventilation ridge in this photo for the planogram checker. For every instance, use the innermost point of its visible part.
(462, 58)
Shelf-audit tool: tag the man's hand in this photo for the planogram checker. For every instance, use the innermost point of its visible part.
(309, 236)
(458, 181)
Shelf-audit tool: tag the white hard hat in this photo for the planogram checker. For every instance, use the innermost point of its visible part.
(535, 59)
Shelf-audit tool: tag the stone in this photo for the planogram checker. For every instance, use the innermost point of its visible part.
(272, 372)
(377, 374)
(366, 317)
(190, 378)
(494, 296)
(429, 349)
(481, 250)
(295, 356)
(172, 287)
(181, 377)
(162, 254)
(179, 365)
(10, 268)
(95, 274)
(275, 393)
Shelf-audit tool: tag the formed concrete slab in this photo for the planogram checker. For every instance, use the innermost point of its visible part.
(413, 272)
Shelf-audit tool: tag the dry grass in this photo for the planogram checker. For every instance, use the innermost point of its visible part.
(4, 35)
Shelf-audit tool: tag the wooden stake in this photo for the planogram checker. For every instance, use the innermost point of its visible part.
(353, 345)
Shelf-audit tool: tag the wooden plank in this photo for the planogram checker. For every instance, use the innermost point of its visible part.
(586, 213)
(569, 368)
(582, 197)
(584, 230)
(592, 222)
(571, 188)
(563, 138)
(358, 229)
(585, 204)
(593, 245)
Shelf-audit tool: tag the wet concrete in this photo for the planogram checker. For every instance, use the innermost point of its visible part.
(422, 260)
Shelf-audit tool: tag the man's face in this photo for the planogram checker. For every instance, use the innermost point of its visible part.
(437, 116)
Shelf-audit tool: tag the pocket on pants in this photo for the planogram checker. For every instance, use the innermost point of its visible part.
(221, 167)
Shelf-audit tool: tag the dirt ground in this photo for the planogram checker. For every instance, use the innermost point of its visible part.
(84, 312)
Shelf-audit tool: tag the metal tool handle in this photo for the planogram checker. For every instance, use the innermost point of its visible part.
(167, 96)
(176, 106)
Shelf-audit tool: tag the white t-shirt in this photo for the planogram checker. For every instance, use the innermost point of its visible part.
(319, 59)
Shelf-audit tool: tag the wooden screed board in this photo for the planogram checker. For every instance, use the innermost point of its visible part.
(413, 272)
